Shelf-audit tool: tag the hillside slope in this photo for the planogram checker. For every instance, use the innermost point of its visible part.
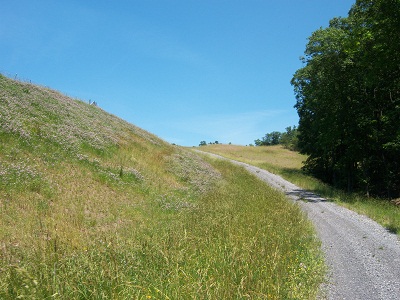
(92, 207)
(63, 160)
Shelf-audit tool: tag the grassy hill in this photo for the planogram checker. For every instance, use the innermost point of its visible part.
(92, 207)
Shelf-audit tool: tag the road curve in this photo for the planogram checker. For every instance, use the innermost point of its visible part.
(362, 256)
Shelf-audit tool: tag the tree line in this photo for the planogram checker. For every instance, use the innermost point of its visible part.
(204, 143)
(289, 138)
(348, 100)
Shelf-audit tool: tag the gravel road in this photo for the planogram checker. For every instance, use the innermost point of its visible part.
(363, 257)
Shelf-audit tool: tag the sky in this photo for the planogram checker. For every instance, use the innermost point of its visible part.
(185, 70)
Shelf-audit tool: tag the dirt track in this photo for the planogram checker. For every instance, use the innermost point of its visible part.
(363, 257)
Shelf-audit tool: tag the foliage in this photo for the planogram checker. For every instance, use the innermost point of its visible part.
(348, 100)
(288, 139)
(269, 139)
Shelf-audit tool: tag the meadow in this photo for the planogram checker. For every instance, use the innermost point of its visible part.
(92, 207)
(286, 163)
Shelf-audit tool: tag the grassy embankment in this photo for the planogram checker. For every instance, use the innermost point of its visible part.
(288, 164)
(92, 207)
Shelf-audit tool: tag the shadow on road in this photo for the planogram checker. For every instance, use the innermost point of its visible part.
(306, 196)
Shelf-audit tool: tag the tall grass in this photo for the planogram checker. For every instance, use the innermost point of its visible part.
(92, 207)
(288, 164)
(242, 240)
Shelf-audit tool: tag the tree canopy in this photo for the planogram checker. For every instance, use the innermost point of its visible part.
(348, 99)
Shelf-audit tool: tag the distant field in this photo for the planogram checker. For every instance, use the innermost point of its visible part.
(274, 156)
(288, 164)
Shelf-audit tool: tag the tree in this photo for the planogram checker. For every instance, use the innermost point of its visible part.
(269, 139)
(203, 143)
(288, 139)
(348, 99)
(258, 142)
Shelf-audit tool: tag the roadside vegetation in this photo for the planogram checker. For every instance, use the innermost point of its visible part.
(288, 164)
(92, 207)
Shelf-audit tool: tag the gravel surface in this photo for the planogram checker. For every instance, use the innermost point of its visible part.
(362, 256)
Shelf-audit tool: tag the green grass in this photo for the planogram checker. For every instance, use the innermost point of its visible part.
(92, 207)
(242, 240)
(288, 164)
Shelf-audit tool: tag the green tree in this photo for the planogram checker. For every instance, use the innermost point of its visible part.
(289, 139)
(272, 138)
(258, 142)
(348, 99)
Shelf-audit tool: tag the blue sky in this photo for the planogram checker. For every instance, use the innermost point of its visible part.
(185, 70)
